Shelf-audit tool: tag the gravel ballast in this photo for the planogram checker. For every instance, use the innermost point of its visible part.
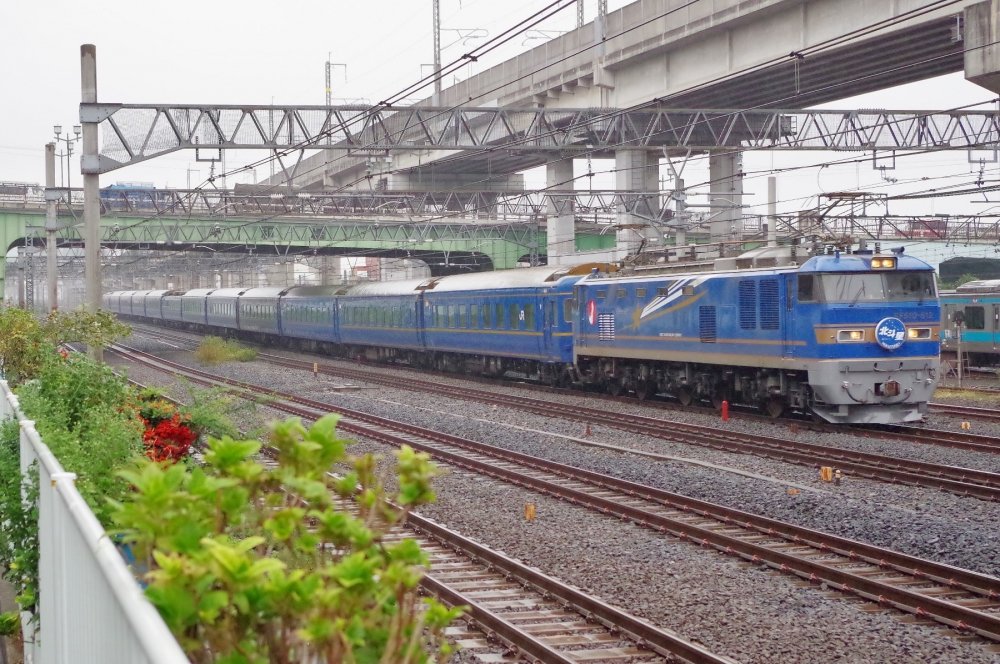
(742, 612)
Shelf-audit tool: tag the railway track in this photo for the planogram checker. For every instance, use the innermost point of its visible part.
(971, 412)
(908, 433)
(961, 599)
(961, 481)
(527, 613)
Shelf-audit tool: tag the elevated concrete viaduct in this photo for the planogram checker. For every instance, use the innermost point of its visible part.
(709, 54)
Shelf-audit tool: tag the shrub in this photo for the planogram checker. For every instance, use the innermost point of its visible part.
(216, 350)
(86, 415)
(25, 340)
(252, 564)
(19, 531)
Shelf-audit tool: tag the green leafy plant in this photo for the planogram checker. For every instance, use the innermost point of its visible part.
(19, 528)
(99, 329)
(216, 350)
(86, 415)
(25, 340)
(286, 563)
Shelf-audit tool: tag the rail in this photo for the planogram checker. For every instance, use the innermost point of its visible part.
(91, 609)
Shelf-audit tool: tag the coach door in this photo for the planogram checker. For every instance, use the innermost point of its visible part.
(549, 321)
(996, 326)
(787, 320)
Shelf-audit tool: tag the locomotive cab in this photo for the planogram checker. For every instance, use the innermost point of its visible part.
(875, 323)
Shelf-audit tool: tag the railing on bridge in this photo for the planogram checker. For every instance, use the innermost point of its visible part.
(91, 607)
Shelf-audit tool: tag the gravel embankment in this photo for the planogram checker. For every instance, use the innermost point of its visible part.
(930, 524)
(742, 612)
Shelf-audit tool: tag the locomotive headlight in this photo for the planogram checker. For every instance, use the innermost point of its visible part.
(918, 333)
(883, 263)
(851, 335)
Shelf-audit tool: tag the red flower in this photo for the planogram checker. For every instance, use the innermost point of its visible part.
(169, 440)
(65, 355)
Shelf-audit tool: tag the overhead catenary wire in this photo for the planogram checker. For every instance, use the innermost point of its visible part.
(682, 92)
(812, 50)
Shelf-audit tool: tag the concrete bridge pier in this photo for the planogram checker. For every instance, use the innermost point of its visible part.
(636, 170)
(982, 50)
(725, 174)
(559, 225)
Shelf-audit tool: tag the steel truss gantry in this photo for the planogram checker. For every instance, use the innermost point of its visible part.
(131, 133)
(270, 202)
(277, 237)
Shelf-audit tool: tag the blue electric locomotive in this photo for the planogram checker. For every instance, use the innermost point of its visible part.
(850, 337)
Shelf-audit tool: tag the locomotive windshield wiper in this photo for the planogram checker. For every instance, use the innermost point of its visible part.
(861, 291)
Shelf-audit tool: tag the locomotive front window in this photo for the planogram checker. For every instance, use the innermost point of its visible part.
(857, 287)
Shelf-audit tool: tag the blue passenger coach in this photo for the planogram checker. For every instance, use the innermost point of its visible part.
(852, 337)
(382, 319)
(494, 322)
(310, 312)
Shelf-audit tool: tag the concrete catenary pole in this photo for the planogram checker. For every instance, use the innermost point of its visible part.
(91, 187)
(51, 226)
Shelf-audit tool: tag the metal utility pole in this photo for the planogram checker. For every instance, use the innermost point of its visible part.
(680, 196)
(602, 9)
(20, 278)
(329, 89)
(437, 50)
(579, 13)
(51, 226)
(772, 211)
(91, 186)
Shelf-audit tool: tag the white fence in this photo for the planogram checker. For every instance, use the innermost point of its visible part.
(92, 610)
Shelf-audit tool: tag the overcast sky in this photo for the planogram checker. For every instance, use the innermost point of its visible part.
(227, 52)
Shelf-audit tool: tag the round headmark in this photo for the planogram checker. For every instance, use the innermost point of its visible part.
(591, 312)
(890, 333)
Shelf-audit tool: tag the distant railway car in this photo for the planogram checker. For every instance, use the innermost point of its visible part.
(222, 307)
(383, 319)
(193, 307)
(170, 305)
(137, 303)
(258, 310)
(310, 312)
(153, 303)
(979, 304)
(851, 337)
(110, 301)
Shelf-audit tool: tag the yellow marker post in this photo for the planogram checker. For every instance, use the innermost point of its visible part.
(826, 473)
(529, 511)
(316, 370)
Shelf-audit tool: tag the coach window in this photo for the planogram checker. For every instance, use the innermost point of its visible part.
(568, 310)
(553, 313)
(498, 310)
(452, 316)
(601, 294)
(461, 315)
(515, 316)
(474, 316)
(621, 292)
(529, 316)
(487, 317)
(640, 292)
(975, 318)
